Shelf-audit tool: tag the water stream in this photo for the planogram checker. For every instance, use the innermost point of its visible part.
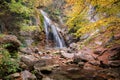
(52, 29)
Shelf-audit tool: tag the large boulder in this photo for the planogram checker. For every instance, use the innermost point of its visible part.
(66, 55)
(42, 67)
(29, 60)
(12, 43)
(14, 76)
(117, 37)
(83, 57)
(11, 39)
(115, 53)
(46, 78)
(39, 64)
(109, 57)
(27, 50)
(26, 75)
(114, 63)
(88, 66)
(74, 47)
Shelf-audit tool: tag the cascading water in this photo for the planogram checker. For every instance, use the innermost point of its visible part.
(50, 27)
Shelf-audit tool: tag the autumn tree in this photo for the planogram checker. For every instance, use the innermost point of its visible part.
(107, 12)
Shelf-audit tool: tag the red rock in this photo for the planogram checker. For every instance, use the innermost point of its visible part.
(104, 58)
(88, 66)
(26, 75)
(67, 55)
(117, 37)
(115, 63)
(84, 56)
(29, 60)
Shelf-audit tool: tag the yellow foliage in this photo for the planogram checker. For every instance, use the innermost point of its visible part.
(29, 28)
(107, 10)
(111, 23)
(42, 2)
(38, 3)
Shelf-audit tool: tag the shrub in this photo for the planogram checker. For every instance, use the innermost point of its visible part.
(8, 65)
(28, 28)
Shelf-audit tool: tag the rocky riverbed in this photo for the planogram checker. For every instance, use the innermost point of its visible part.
(65, 64)
(62, 65)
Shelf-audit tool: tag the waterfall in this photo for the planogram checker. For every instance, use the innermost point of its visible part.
(51, 28)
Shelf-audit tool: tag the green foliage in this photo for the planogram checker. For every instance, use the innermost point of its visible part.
(17, 7)
(41, 22)
(2, 35)
(13, 53)
(7, 64)
(7, 45)
(28, 28)
(15, 13)
(57, 12)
